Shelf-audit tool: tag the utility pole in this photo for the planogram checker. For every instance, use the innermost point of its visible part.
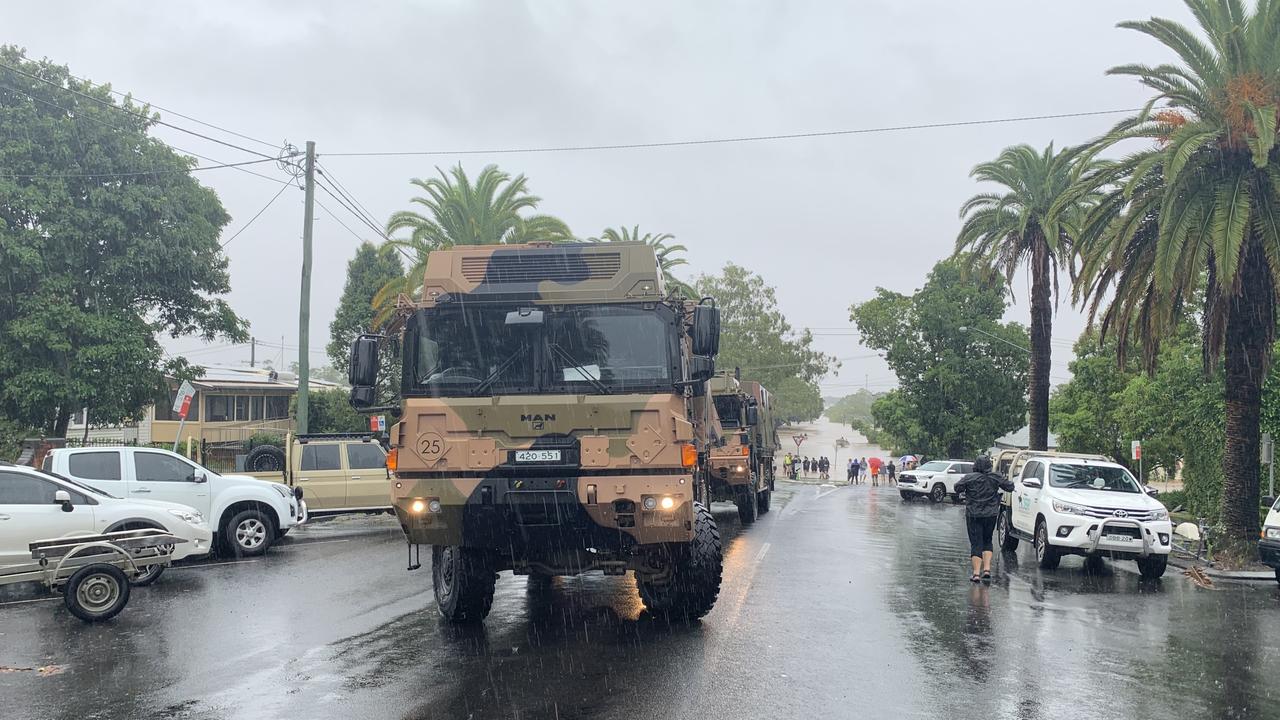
(304, 304)
(253, 350)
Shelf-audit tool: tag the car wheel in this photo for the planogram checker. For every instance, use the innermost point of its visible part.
(148, 576)
(906, 495)
(1152, 567)
(1046, 555)
(1004, 533)
(97, 592)
(938, 493)
(248, 533)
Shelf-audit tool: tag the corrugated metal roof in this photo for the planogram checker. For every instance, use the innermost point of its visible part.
(1022, 439)
(218, 377)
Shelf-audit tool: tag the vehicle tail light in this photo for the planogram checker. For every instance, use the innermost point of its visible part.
(688, 455)
(392, 459)
(745, 450)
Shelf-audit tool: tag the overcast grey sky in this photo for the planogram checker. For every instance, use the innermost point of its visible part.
(824, 220)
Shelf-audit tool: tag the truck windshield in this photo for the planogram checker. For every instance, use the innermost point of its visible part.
(1092, 477)
(463, 350)
(729, 409)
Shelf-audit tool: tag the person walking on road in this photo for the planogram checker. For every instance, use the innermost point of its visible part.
(856, 468)
(824, 466)
(893, 473)
(805, 464)
(875, 470)
(848, 472)
(982, 489)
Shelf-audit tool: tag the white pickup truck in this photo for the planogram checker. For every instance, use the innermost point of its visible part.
(248, 515)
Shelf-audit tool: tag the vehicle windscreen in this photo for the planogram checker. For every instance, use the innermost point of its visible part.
(934, 466)
(1092, 477)
(468, 350)
(728, 407)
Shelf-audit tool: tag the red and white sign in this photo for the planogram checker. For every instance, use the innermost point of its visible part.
(182, 403)
(1136, 448)
(377, 423)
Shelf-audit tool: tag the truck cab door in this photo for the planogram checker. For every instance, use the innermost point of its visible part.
(321, 477)
(28, 513)
(1026, 490)
(368, 485)
(161, 475)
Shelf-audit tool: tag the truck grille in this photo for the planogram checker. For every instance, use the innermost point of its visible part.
(1109, 513)
(540, 266)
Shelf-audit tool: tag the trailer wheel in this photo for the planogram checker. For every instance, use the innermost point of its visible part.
(97, 592)
(696, 571)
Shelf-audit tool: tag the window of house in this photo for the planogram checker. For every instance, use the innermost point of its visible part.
(255, 407)
(95, 465)
(218, 408)
(242, 407)
(277, 407)
(164, 406)
(320, 457)
(365, 456)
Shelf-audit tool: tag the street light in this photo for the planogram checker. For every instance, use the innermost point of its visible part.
(995, 337)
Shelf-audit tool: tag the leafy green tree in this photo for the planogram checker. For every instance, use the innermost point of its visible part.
(1084, 412)
(492, 210)
(367, 273)
(1199, 207)
(667, 253)
(756, 337)
(854, 407)
(958, 390)
(1028, 222)
(106, 240)
(331, 412)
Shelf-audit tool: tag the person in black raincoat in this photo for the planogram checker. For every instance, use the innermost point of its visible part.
(982, 491)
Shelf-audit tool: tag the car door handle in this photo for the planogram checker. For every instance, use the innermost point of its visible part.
(355, 477)
(4, 517)
(142, 490)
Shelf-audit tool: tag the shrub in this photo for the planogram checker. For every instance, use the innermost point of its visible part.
(265, 438)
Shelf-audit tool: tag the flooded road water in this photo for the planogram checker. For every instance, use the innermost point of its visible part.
(842, 602)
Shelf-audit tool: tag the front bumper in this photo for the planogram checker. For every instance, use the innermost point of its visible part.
(199, 543)
(1115, 536)
(1269, 552)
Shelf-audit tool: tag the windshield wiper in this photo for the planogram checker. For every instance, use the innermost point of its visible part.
(565, 356)
(497, 372)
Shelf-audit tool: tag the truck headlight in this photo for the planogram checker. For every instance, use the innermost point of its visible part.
(1272, 533)
(668, 502)
(192, 517)
(1068, 508)
(1160, 514)
(650, 503)
(283, 490)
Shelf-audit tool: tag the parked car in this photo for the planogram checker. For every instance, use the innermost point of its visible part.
(1269, 546)
(936, 478)
(35, 505)
(247, 514)
(1082, 505)
(339, 473)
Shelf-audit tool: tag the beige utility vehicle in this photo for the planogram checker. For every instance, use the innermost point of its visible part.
(338, 473)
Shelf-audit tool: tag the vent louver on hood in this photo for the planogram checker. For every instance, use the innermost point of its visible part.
(532, 267)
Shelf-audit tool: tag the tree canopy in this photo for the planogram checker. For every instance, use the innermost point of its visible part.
(756, 337)
(958, 390)
(367, 273)
(106, 240)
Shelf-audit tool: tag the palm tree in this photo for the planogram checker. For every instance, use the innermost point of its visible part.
(459, 212)
(1027, 223)
(665, 253)
(1197, 214)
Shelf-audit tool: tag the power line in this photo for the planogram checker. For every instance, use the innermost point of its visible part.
(324, 172)
(727, 140)
(366, 221)
(137, 174)
(135, 115)
(244, 227)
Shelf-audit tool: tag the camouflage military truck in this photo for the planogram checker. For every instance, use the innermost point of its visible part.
(740, 465)
(550, 424)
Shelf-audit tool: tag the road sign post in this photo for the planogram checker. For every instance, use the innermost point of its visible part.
(182, 406)
(1135, 447)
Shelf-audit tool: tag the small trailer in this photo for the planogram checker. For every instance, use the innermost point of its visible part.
(93, 571)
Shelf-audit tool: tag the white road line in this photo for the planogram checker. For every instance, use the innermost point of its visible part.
(24, 602)
(824, 494)
(312, 542)
(763, 549)
(214, 564)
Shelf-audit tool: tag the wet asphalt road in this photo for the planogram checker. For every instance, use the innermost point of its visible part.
(842, 602)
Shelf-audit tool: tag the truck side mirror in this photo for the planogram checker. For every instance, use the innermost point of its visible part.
(701, 368)
(363, 371)
(705, 333)
(63, 498)
(753, 415)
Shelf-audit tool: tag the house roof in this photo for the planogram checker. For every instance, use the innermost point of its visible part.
(217, 377)
(1022, 439)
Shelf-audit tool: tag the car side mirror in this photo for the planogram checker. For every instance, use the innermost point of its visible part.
(705, 333)
(63, 498)
(1031, 482)
(753, 416)
(1268, 501)
(701, 368)
(363, 370)
(199, 477)
(1152, 491)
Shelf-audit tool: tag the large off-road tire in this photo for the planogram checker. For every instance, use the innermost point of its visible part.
(1004, 531)
(97, 592)
(264, 458)
(745, 499)
(1047, 556)
(696, 569)
(764, 499)
(248, 533)
(938, 492)
(463, 580)
(908, 496)
(1152, 567)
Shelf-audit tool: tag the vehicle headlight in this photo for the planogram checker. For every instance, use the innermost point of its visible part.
(1068, 508)
(192, 517)
(283, 490)
(1272, 533)
(1160, 514)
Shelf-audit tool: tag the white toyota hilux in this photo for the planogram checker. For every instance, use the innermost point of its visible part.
(247, 514)
(1075, 505)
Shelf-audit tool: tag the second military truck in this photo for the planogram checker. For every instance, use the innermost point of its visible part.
(552, 421)
(740, 466)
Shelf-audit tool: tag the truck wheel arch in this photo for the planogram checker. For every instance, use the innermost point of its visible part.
(230, 511)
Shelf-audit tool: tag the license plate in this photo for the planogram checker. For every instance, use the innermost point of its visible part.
(537, 456)
(1118, 538)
